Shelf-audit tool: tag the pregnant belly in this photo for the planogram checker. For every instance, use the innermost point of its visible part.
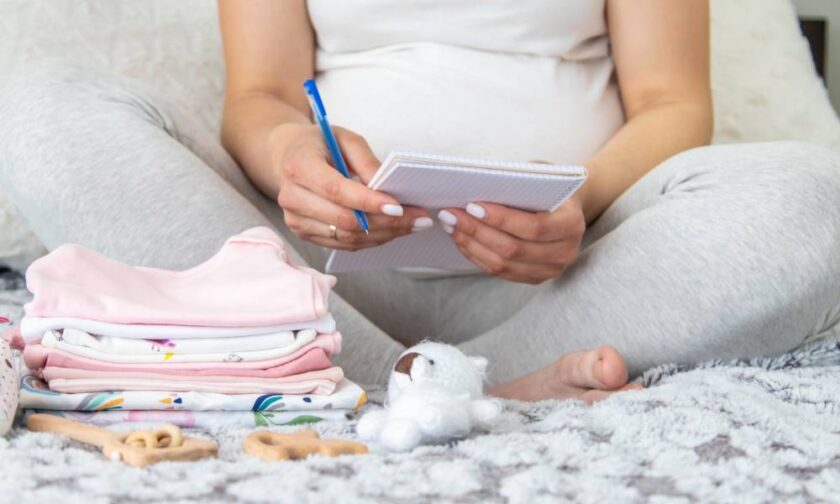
(450, 100)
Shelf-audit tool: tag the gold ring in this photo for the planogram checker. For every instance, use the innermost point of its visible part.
(333, 232)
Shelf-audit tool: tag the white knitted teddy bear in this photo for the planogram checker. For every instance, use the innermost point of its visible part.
(435, 394)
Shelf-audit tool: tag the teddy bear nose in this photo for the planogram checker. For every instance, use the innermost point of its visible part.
(404, 364)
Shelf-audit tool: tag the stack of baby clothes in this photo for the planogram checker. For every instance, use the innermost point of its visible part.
(244, 338)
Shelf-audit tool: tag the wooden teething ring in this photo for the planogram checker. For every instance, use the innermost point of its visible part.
(274, 446)
(138, 449)
(165, 436)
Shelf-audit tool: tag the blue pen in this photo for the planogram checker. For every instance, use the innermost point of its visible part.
(320, 115)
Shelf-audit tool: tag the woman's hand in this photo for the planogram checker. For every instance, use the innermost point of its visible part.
(517, 245)
(314, 195)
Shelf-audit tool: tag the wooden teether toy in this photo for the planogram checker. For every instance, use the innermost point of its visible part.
(165, 436)
(273, 446)
(138, 449)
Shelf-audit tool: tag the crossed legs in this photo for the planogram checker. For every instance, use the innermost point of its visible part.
(724, 251)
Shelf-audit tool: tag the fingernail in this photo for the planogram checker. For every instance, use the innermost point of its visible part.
(447, 217)
(476, 211)
(446, 227)
(392, 210)
(423, 223)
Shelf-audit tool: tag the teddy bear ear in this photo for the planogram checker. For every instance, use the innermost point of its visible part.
(480, 364)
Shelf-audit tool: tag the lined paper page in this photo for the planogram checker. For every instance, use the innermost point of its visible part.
(434, 184)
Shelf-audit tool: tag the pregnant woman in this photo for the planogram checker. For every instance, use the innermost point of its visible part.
(671, 252)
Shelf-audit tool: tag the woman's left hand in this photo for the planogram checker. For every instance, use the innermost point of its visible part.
(514, 244)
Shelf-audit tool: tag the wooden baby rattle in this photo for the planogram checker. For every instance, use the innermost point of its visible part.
(273, 446)
(138, 449)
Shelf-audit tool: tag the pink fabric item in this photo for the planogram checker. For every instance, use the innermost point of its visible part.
(13, 337)
(311, 360)
(321, 382)
(53, 373)
(249, 282)
(37, 356)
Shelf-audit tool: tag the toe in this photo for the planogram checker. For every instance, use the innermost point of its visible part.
(609, 368)
(601, 368)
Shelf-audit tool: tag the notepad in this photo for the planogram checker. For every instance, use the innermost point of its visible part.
(434, 182)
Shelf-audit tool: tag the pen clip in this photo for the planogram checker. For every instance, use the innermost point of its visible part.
(314, 99)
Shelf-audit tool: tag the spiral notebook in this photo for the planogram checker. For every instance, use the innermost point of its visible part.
(434, 182)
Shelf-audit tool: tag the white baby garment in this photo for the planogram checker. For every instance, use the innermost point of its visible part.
(112, 345)
(54, 339)
(33, 328)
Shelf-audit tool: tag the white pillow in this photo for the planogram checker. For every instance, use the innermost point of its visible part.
(763, 77)
(765, 86)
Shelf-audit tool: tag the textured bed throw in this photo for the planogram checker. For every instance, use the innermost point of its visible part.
(765, 430)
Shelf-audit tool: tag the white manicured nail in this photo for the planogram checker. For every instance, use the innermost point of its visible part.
(392, 210)
(476, 211)
(423, 223)
(447, 217)
(446, 227)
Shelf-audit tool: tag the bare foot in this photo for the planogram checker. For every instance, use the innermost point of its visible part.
(589, 375)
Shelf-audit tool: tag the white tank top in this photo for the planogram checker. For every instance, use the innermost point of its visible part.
(506, 79)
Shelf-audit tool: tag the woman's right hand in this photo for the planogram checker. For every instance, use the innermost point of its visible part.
(314, 195)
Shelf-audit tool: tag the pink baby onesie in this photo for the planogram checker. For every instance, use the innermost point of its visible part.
(311, 360)
(249, 282)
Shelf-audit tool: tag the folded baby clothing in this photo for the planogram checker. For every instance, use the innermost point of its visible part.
(164, 347)
(250, 282)
(35, 393)
(298, 385)
(52, 342)
(193, 409)
(207, 342)
(32, 328)
(313, 364)
(308, 359)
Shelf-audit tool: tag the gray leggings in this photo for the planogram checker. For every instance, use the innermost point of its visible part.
(725, 251)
